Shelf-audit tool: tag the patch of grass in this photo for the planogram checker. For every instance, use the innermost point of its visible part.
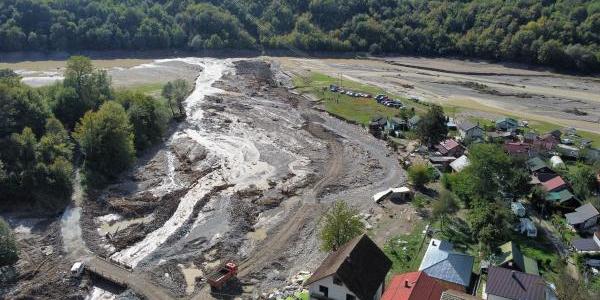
(299, 296)
(406, 251)
(360, 110)
(153, 89)
(542, 250)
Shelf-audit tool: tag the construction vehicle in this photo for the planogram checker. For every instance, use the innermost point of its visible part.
(220, 277)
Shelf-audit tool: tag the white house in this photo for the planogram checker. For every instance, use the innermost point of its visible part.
(356, 270)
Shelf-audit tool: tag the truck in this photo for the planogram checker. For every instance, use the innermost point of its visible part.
(222, 275)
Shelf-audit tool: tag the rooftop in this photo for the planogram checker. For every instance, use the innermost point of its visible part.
(441, 262)
(582, 214)
(536, 164)
(413, 286)
(511, 252)
(554, 183)
(515, 285)
(460, 163)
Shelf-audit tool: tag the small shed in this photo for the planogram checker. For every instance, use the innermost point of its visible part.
(557, 162)
(527, 227)
(518, 209)
(584, 217)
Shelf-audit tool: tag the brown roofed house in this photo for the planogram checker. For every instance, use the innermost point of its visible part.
(356, 270)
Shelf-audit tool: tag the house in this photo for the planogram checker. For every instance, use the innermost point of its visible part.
(584, 217)
(537, 165)
(441, 262)
(507, 124)
(530, 137)
(470, 131)
(518, 209)
(564, 199)
(460, 164)
(506, 284)
(415, 286)
(589, 246)
(413, 122)
(396, 124)
(518, 149)
(547, 142)
(511, 258)
(356, 270)
(527, 227)
(450, 147)
(499, 136)
(556, 184)
(377, 125)
(441, 162)
(568, 151)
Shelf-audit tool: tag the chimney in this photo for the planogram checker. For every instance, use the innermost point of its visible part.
(513, 274)
(406, 284)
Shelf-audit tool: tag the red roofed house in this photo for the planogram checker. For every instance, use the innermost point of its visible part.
(518, 149)
(450, 147)
(416, 286)
(555, 184)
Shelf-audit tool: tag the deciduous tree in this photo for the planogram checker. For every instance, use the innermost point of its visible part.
(339, 225)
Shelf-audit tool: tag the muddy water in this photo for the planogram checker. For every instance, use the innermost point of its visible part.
(238, 162)
(69, 224)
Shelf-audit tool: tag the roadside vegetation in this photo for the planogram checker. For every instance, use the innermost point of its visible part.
(563, 34)
(47, 132)
(8, 245)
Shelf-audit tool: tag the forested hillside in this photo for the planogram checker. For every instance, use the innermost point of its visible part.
(560, 33)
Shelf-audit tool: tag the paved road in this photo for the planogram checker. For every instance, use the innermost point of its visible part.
(133, 280)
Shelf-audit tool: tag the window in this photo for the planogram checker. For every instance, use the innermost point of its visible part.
(350, 297)
(324, 290)
(337, 280)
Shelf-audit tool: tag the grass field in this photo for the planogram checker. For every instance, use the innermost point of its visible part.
(360, 110)
(406, 251)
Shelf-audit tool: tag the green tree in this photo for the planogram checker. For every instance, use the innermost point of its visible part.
(583, 180)
(432, 128)
(420, 174)
(8, 246)
(148, 117)
(176, 92)
(445, 205)
(106, 140)
(490, 223)
(488, 171)
(339, 225)
(83, 89)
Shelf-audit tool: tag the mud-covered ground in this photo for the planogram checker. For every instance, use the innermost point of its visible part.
(244, 178)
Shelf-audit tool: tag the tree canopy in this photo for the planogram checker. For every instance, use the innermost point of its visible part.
(107, 141)
(560, 33)
(432, 128)
(8, 246)
(339, 225)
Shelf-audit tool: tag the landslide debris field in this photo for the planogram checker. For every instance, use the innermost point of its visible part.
(244, 178)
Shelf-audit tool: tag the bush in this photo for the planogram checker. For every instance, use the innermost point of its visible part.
(421, 174)
(8, 246)
(339, 225)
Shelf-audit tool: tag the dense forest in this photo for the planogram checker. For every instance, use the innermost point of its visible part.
(559, 33)
(44, 130)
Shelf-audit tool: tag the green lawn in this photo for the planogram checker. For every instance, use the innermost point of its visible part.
(299, 296)
(542, 250)
(359, 110)
(406, 251)
(153, 89)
